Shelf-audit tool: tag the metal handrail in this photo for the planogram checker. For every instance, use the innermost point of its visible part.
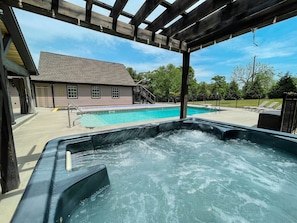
(75, 106)
(72, 105)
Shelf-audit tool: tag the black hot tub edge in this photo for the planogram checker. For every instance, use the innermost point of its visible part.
(53, 192)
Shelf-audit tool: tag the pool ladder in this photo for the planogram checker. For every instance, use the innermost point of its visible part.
(70, 106)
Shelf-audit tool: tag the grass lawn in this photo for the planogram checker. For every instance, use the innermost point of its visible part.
(238, 103)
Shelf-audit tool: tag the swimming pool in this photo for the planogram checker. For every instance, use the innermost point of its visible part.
(113, 117)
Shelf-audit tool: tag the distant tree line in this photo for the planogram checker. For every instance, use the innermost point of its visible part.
(254, 81)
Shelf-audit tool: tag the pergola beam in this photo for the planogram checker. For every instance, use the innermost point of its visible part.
(145, 10)
(194, 16)
(74, 14)
(247, 18)
(109, 8)
(6, 44)
(208, 23)
(89, 5)
(17, 37)
(15, 68)
(226, 16)
(117, 10)
(55, 5)
(177, 8)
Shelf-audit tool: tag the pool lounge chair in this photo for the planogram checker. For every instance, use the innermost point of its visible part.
(279, 107)
(269, 107)
(255, 107)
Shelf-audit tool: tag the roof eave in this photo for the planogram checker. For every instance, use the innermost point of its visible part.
(18, 39)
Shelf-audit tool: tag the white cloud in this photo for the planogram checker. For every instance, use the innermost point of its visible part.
(158, 56)
(154, 63)
(202, 72)
(48, 29)
(201, 56)
(272, 49)
(147, 49)
(145, 66)
(47, 34)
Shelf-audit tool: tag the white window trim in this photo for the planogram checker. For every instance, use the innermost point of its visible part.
(74, 89)
(95, 89)
(115, 93)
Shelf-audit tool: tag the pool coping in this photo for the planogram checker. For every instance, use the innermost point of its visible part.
(127, 109)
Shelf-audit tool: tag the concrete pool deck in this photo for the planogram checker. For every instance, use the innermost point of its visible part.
(32, 132)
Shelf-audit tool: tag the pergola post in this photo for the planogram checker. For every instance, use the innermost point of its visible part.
(184, 87)
(8, 162)
(9, 98)
(31, 106)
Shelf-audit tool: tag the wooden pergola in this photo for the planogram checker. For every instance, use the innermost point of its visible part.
(184, 26)
(16, 65)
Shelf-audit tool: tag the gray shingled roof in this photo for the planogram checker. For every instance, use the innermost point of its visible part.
(60, 68)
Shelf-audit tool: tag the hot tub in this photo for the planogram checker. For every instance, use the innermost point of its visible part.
(54, 193)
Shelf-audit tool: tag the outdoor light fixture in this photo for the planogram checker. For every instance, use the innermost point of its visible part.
(53, 13)
(20, 4)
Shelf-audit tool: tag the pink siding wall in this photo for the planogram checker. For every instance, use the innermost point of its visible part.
(84, 96)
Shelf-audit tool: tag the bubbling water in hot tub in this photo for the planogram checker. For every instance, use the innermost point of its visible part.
(190, 176)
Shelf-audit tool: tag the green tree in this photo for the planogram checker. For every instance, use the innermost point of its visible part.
(203, 92)
(295, 80)
(285, 84)
(232, 91)
(133, 73)
(192, 84)
(246, 76)
(253, 90)
(165, 82)
(218, 87)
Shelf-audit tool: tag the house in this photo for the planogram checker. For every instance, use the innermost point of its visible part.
(82, 82)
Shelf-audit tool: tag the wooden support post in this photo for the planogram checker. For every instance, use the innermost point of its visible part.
(31, 106)
(20, 86)
(184, 87)
(9, 98)
(8, 163)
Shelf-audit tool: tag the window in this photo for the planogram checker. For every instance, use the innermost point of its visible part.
(115, 92)
(95, 92)
(71, 91)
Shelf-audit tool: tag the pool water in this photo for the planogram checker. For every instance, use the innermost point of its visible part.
(190, 176)
(118, 117)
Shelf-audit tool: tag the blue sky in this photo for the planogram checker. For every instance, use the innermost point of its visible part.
(277, 47)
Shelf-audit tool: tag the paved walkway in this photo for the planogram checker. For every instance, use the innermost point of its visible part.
(32, 132)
